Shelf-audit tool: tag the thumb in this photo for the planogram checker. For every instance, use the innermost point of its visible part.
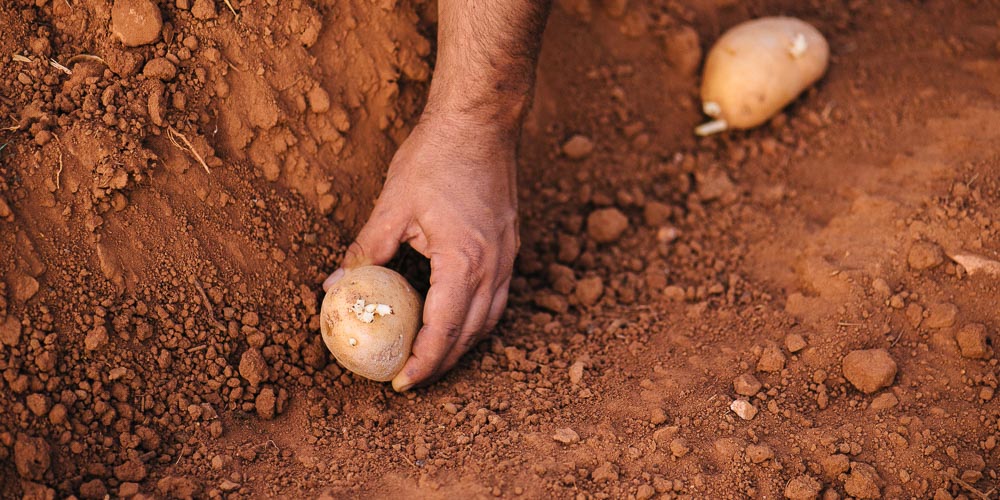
(377, 242)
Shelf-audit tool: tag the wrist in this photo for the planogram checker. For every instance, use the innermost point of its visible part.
(492, 106)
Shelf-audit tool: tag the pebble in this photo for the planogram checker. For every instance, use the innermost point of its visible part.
(606, 225)
(589, 290)
(96, 338)
(835, 465)
(746, 385)
(578, 147)
(802, 488)
(869, 369)
(771, 360)
(136, 22)
(924, 255)
(38, 404)
(972, 341)
(566, 435)
(744, 409)
(794, 342)
(863, 481)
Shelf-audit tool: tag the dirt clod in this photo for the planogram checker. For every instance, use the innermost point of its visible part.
(606, 225)
(253, 367)
(924, 255)
(803, 488)
(863, 481)
(973, 341)
(743, 409)
(32, 457)
(578, 147)
(869, 369)
(136, 22)
(746, 385)
(771, 359)
(566, 435)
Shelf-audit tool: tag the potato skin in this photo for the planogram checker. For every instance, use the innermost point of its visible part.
(751, 71)
(377, 349)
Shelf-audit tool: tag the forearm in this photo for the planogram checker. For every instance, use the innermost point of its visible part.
(487, 52)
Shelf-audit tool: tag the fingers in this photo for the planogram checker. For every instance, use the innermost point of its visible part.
(376, 244)
(445, 310)
(472, 330)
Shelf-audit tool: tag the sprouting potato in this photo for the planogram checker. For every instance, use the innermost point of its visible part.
(758, 67)
(369, 320)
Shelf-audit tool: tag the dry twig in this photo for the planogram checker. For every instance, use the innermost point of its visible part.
(20, 58)
(59, 172)
(60, 67)
(172, 134)
(968, 487)
(231, 9)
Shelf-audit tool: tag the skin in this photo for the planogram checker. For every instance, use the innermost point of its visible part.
(450, 191)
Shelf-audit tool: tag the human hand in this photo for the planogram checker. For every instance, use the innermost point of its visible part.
(450, 193)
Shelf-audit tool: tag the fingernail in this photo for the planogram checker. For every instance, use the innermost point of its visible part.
(401, 383)
(333, 279)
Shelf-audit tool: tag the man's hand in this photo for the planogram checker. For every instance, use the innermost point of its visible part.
(450, 193)
(451, 188)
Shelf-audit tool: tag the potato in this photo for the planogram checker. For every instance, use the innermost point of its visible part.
(369, 319)
(758, 67)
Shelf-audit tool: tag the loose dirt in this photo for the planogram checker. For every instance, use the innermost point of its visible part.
(682, 310)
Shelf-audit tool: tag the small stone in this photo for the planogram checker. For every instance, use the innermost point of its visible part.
(578, 147)
(589, 290)
(924, 255)
(744, 409)
(250, 318)
(265, 403)
(802, 488)
(576, 372)
(941, 315)
(771, 360)
(884, 401)
(863, 481)
(204, 9)
(253, 368)
(604, 473)
(136, 22)
(746, 385)
(566, 436)
(973, 341)
(160, 68)
(794, 342)
(759, 453)
(869, 369)
(606, 225)
(552, 302)
(679, 447)
(319, 99)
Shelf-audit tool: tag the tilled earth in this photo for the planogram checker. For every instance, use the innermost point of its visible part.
(805, 310)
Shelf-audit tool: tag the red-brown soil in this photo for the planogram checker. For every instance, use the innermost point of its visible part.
(168, 212)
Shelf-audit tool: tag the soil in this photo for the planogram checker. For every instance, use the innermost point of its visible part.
(682, 307)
